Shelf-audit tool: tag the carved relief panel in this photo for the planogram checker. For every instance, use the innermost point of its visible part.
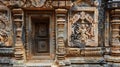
(83, 33)
(83, 27)
(5, 28)
(32, 3)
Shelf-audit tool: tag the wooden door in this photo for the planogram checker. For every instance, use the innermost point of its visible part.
(41, 38)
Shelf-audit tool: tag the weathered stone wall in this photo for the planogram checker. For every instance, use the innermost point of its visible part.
(85, 34)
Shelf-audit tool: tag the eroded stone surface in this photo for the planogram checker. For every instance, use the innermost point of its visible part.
(64, 33)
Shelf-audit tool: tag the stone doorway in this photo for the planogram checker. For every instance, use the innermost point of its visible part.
(40, 45)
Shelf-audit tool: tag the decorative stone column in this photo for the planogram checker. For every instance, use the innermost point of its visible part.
(61, 15)
(18, 28)
(114, 53)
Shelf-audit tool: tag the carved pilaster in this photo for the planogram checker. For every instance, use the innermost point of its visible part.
(18, 22)
(61, 15)
(114, 36)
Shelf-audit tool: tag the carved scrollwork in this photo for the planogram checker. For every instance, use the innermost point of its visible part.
(82, 29)
(3, 29)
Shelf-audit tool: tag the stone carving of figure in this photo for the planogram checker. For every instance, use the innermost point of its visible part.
(90, 19)
(83, 35)
(83, 30)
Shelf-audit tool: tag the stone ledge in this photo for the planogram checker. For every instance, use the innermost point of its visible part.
(115, 59)
(5, 50)
(86, 60)
(5, 60)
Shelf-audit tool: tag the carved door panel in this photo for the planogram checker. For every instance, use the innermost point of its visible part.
(41, 38)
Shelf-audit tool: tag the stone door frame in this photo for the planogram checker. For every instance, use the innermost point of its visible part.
(28, 32)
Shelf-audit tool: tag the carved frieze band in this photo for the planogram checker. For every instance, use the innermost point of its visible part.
(37, 3)
(87, 52)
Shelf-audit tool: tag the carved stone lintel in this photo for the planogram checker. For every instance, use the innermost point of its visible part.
(36, 3)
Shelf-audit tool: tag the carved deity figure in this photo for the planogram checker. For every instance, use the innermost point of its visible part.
(82, 29)
(90, 19)
(83, 34)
